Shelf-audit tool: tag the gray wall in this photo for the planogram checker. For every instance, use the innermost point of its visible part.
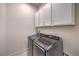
(16, 23)
(2, 28)
(70, 34)
(20, 18)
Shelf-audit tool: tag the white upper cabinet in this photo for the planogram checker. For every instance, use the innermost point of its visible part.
(63, 14)
(41, 17)
(37, 19)
(55, 14)
(45, 15)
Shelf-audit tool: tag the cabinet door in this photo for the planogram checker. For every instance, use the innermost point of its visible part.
(41, 18)
(45, 15)
(37, 19)
(63, 14)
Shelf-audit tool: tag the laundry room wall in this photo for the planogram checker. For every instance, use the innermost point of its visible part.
(69, 34)
(2, 28)
(20, 18)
